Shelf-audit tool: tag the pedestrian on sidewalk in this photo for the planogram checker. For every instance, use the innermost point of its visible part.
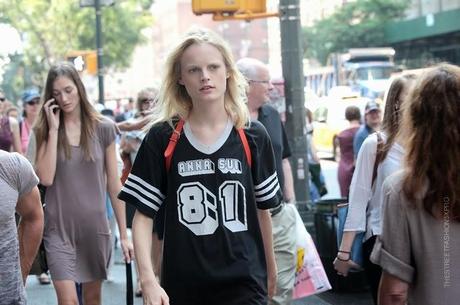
(31, 106)
(419, 247)
(213, 194)
(18, 186)
(76, 161)
(345, 144)
(283, 220)
(9, 128)
(379, 157)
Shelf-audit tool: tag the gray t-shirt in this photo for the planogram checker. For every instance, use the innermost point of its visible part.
(418, 249)
(17, 178)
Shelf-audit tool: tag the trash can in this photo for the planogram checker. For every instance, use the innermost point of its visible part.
(326, 223)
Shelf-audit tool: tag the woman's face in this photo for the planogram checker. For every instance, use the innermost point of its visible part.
(203, 73)
(65, 93)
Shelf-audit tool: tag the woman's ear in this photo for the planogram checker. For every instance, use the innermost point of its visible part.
(180, 82)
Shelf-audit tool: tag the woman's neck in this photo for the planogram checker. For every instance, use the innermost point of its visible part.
(73, 117)
(29, 119)
(354, 124)
(208, 115)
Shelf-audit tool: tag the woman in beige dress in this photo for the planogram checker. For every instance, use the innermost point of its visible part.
(76, 160)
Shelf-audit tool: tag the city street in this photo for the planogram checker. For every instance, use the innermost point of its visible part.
(114, 290)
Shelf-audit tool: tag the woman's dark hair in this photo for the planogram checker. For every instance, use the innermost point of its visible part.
(352, 113)
(431, 126)
(392, 118)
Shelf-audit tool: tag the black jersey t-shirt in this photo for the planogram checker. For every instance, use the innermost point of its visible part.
(213, 250)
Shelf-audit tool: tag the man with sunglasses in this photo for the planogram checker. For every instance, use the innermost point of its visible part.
(30, 102)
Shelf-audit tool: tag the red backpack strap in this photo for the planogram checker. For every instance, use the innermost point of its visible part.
(247, 150)
(172, 144)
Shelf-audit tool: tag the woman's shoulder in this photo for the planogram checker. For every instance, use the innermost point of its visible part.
(373, 139)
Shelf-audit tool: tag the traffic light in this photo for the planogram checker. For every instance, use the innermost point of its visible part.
(83, 61)
(228, 6)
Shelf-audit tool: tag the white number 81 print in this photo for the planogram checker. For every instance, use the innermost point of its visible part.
(197, 207)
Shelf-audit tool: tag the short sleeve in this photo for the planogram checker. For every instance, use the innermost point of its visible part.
(286, 148)
(392, 250)
(107, 131)
(146, 185)
(265, 179)
(26, 177)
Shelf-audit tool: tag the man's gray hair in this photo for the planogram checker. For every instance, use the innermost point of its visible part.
(248, 67)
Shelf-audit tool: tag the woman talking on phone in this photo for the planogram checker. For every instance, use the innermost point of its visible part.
(76, 160)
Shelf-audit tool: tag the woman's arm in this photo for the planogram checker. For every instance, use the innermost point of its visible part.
(131, 125)
(392, 290)
(113, 188)
(152, 292)
(343, 263)
(360, 193)
(45, 164)
(288, 187)
(30, 228)
(265, 223)
(16, 136)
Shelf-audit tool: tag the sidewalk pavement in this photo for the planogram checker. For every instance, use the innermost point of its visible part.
(114, 291)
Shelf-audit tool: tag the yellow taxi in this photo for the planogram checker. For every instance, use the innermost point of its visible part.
(329, 120)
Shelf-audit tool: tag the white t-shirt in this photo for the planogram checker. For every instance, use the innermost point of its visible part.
(364, 212)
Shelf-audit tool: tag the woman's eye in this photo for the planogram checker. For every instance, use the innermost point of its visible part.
(68, 90)
(193, 70)
(213, 67)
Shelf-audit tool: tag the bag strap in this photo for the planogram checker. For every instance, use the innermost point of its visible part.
(378, 156)
(172, 143)
(176, 135)
(247, 150)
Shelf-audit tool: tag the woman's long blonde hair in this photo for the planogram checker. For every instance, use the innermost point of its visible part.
(174, 100)
(89, 116)
(431, 125)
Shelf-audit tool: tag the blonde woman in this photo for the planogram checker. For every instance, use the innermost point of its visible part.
(211, 196)
(76, 160)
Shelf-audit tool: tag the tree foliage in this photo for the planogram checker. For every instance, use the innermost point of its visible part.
(357, 24)
(50, 29)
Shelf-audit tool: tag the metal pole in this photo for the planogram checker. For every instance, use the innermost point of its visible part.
(100, 75)
(291, 55)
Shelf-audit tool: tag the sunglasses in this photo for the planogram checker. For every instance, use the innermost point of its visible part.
(148, 101)
(33, 102)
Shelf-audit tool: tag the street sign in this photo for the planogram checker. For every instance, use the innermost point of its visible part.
(91, 3)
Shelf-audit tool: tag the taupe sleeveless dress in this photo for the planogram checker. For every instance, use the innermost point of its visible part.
(77, 235)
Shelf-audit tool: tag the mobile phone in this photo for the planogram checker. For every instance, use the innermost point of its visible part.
(55, 109)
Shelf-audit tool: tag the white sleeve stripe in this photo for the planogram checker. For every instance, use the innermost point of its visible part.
(140, 198)
(268, 180)
(269, 196)
(146, 185)
(143, 191)
(268, 188)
